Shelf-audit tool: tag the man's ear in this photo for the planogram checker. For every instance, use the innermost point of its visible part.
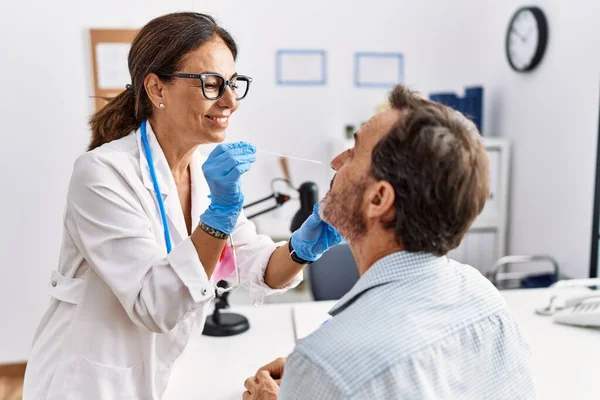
(381, 198)
(155, 89)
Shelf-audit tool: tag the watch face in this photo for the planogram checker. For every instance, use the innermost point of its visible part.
(526, 39)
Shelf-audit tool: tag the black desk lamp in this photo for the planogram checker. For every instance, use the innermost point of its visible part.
(229, 324)
(309, 195)
(224, 324)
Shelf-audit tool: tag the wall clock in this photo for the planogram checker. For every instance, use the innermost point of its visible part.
(526, 39)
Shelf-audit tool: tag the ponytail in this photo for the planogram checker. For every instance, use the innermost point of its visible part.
(115, 120)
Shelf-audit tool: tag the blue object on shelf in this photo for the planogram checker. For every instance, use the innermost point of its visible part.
(538, 281)
(470, 105)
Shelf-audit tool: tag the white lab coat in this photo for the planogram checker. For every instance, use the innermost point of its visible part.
(121, 309)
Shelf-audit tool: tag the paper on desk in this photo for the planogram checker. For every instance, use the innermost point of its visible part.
(309, 317)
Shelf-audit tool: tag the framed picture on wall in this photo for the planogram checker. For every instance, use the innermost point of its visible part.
(109, 51)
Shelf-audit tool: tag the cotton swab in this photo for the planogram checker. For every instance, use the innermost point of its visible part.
(286, 156)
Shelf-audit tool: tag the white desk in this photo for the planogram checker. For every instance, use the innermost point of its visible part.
(566, 360)
(215, 368)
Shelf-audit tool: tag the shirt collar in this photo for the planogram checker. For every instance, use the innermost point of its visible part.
(161, 166)
(401, 266)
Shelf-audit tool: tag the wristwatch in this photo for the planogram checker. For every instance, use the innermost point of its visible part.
(294, 256)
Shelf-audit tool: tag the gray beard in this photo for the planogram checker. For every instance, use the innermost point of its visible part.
(343, 211)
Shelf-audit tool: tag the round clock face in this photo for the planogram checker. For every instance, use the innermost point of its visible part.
(526, 39)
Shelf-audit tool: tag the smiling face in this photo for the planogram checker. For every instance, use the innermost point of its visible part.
(188, 113)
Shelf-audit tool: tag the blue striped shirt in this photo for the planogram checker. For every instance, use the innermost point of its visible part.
(415, 326)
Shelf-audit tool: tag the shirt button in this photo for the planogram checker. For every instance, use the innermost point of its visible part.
(203, 291)
(54, 283)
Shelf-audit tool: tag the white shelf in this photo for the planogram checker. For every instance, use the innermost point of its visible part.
(486, 241)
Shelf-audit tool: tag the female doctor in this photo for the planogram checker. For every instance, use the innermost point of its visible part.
(148, 218)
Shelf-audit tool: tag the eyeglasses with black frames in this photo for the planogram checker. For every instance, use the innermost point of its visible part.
(213, 84)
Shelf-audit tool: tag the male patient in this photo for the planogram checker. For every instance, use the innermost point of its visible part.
(417, 325)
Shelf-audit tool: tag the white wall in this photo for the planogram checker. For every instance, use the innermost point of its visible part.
(551, 114)
(552, 118)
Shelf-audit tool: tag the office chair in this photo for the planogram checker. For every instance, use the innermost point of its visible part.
(523, 279)
(334, 274)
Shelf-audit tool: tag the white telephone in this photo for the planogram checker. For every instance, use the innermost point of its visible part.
(582, 309)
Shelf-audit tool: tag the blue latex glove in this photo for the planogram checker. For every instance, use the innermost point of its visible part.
(314, 237)
(222, 170)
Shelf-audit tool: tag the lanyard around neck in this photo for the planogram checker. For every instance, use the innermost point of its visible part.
(159, 199)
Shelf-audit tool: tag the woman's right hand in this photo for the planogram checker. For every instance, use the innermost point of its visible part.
(222, 170)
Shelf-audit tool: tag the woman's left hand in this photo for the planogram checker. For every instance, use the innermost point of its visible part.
(314, 237)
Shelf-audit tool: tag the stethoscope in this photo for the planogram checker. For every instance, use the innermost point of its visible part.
(163, 214)
(161, 204)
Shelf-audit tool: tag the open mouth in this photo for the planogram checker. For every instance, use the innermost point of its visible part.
(221, 122)
(218, 119)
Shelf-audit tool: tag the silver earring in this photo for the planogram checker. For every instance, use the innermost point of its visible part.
(161, 105)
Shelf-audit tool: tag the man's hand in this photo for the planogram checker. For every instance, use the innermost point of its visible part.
(274, 368)
(261, 387)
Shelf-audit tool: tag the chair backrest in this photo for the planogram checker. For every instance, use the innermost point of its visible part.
(334, 274)
(525, 279)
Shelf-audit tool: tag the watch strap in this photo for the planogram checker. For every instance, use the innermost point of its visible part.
(294, 256)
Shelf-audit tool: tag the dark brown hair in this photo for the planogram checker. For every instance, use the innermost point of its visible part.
(158, 48)
(435, 160)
